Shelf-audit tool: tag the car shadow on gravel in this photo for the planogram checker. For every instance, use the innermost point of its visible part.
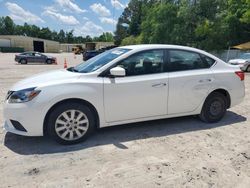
(117, 135)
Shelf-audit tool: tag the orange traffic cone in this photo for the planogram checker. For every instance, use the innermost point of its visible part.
(65, 64)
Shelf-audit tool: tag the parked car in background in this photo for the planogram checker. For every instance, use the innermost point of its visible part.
(123, 85)
(34, 57)
(106, 48)
(243, 62)
(89, 54)
(77, 50)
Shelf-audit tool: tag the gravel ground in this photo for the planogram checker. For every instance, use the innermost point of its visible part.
(178, 152)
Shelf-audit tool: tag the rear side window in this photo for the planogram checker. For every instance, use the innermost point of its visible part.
(180, 60)
(208, 60)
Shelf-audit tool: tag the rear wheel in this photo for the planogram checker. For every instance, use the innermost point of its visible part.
(214, 108)
(23, 61)
(71, 123)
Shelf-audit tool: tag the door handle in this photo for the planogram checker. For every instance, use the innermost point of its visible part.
(205, 80)
(159, 85)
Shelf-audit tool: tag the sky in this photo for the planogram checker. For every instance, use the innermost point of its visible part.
(85, 17)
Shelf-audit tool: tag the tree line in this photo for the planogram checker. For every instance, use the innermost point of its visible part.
(8, 27)
(205, 24)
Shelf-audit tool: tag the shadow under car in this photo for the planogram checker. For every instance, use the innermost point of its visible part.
(116, 135)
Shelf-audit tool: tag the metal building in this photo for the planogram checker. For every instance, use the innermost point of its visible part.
(97, 45)
(65, 47)
(29, 43)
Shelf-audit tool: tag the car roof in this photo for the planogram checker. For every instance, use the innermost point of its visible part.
(155, 46)
(166, 46)
(31, 52)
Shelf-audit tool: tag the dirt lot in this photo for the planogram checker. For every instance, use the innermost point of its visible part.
(179, 152)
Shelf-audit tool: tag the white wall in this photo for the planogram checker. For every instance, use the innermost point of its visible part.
(5, 43)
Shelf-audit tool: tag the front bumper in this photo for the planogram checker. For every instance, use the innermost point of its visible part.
(29, 115)
(8, 126)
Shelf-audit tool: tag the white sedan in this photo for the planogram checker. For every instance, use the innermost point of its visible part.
(123, 85)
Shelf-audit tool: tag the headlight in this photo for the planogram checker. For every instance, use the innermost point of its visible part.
(22, 95)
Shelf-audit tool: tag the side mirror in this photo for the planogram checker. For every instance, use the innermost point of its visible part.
(118, 72)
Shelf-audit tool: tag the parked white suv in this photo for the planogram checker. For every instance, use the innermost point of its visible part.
(123, 85)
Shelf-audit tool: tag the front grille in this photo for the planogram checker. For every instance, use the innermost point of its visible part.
(18, 126)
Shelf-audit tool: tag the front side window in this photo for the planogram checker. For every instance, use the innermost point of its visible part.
(148, 62)
(38, 55)
(180, 60)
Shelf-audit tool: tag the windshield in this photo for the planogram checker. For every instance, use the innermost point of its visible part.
(245, 56)
(100, 60)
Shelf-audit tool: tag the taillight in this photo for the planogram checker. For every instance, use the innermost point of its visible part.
(240, 74)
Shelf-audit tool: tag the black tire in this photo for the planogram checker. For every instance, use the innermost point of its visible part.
(214, 108)
(57, 113)
(23, 61)
(248, 68)
(48, 61)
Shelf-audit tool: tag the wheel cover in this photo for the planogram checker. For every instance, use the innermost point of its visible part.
(216, 108)
(71, 125)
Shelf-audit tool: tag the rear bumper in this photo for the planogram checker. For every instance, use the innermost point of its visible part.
(237, 94)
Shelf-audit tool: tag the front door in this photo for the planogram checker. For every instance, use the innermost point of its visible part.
(142, 93)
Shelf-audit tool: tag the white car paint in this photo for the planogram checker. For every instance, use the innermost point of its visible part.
(125, 99)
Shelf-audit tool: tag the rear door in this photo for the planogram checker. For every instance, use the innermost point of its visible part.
(31, 57)
(39, 58)
(190, 79)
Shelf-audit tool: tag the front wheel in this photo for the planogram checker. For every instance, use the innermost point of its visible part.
(48, 61)
(214, 108)
(23, 61)
(71, 123)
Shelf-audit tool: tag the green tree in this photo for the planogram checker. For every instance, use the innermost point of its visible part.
(7, 26)
(61, 36)
(206, 24)
(44, 33)
(70, 36)
(106, 37)
(131, 40)
(159, 24)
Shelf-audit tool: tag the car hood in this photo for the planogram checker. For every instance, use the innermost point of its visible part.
(238, 61)
(48, 78)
